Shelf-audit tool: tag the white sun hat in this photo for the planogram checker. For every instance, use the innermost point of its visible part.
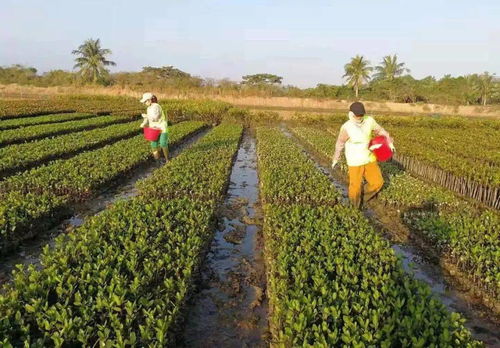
(146, 97)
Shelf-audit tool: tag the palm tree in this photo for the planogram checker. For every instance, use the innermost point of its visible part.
(92, 60)
(357, 72)
(485, 86)
(389, 68)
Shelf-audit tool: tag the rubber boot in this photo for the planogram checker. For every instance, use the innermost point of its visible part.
(165, 153)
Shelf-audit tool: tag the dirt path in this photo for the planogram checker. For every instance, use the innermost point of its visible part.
(230, 309)
(29, 252)
(483, 325)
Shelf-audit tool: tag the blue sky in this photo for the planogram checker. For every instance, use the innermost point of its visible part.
(306, 42)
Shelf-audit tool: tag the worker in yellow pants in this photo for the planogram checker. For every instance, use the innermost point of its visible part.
(355, 136)
(374, 182)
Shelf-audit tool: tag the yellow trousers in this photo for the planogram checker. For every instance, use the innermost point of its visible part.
(374, 182)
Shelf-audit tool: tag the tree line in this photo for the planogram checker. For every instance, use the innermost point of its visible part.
(390, 80)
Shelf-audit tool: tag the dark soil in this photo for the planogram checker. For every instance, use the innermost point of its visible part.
(230, 307)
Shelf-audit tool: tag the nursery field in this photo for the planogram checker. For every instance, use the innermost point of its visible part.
(243, 237)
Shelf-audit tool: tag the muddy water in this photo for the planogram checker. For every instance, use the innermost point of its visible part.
(230, 308)
(30, 250)
(482, 326)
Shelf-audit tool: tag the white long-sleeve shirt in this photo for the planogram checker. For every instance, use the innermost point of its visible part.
(343, 136)
(153, 118)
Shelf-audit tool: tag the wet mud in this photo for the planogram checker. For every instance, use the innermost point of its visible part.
(30, 250)
(423, 266)
(230, 307)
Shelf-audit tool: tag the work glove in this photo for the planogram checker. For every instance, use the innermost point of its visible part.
(374, 147)
(143, 124)
(391, 146)
(334, 163)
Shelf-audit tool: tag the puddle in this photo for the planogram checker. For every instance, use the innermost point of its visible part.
(30, 250)
(230, 308)
(481, 326)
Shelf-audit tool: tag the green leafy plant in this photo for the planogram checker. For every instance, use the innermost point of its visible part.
(124, 276)
(21, 156)
(54, 118)
(41, 131)
(470, 236)
(332, 280)
(44, 193)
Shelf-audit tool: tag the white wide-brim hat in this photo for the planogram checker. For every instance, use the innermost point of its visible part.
(146, 97)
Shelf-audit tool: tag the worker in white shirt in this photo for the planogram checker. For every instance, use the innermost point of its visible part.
(155, 118)
(355, 135)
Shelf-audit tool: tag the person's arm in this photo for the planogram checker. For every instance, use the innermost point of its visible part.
(163, 118)
(378, 130)
(145, 121)
(339, 145)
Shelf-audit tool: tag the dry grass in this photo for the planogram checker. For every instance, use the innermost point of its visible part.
(281, 103)
(315, 105)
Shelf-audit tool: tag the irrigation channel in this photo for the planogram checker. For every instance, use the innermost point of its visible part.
(29, 251)
(479, 321)
(230, 308)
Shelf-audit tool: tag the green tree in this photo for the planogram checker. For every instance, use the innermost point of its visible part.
(262, 79)
(357, 72)
(484, 85)
(323, 90)
(91, 61)
(18, 73)
(389, 69)
(471, 96)
(166, 72)
(57, 78)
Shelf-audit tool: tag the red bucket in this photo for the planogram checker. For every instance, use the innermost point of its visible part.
(383, 153)
(151, 134)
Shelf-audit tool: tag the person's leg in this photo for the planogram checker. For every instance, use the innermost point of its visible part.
(355, 178)
(165, 153)
(156, 151)
(374, 181)
(164, 144)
